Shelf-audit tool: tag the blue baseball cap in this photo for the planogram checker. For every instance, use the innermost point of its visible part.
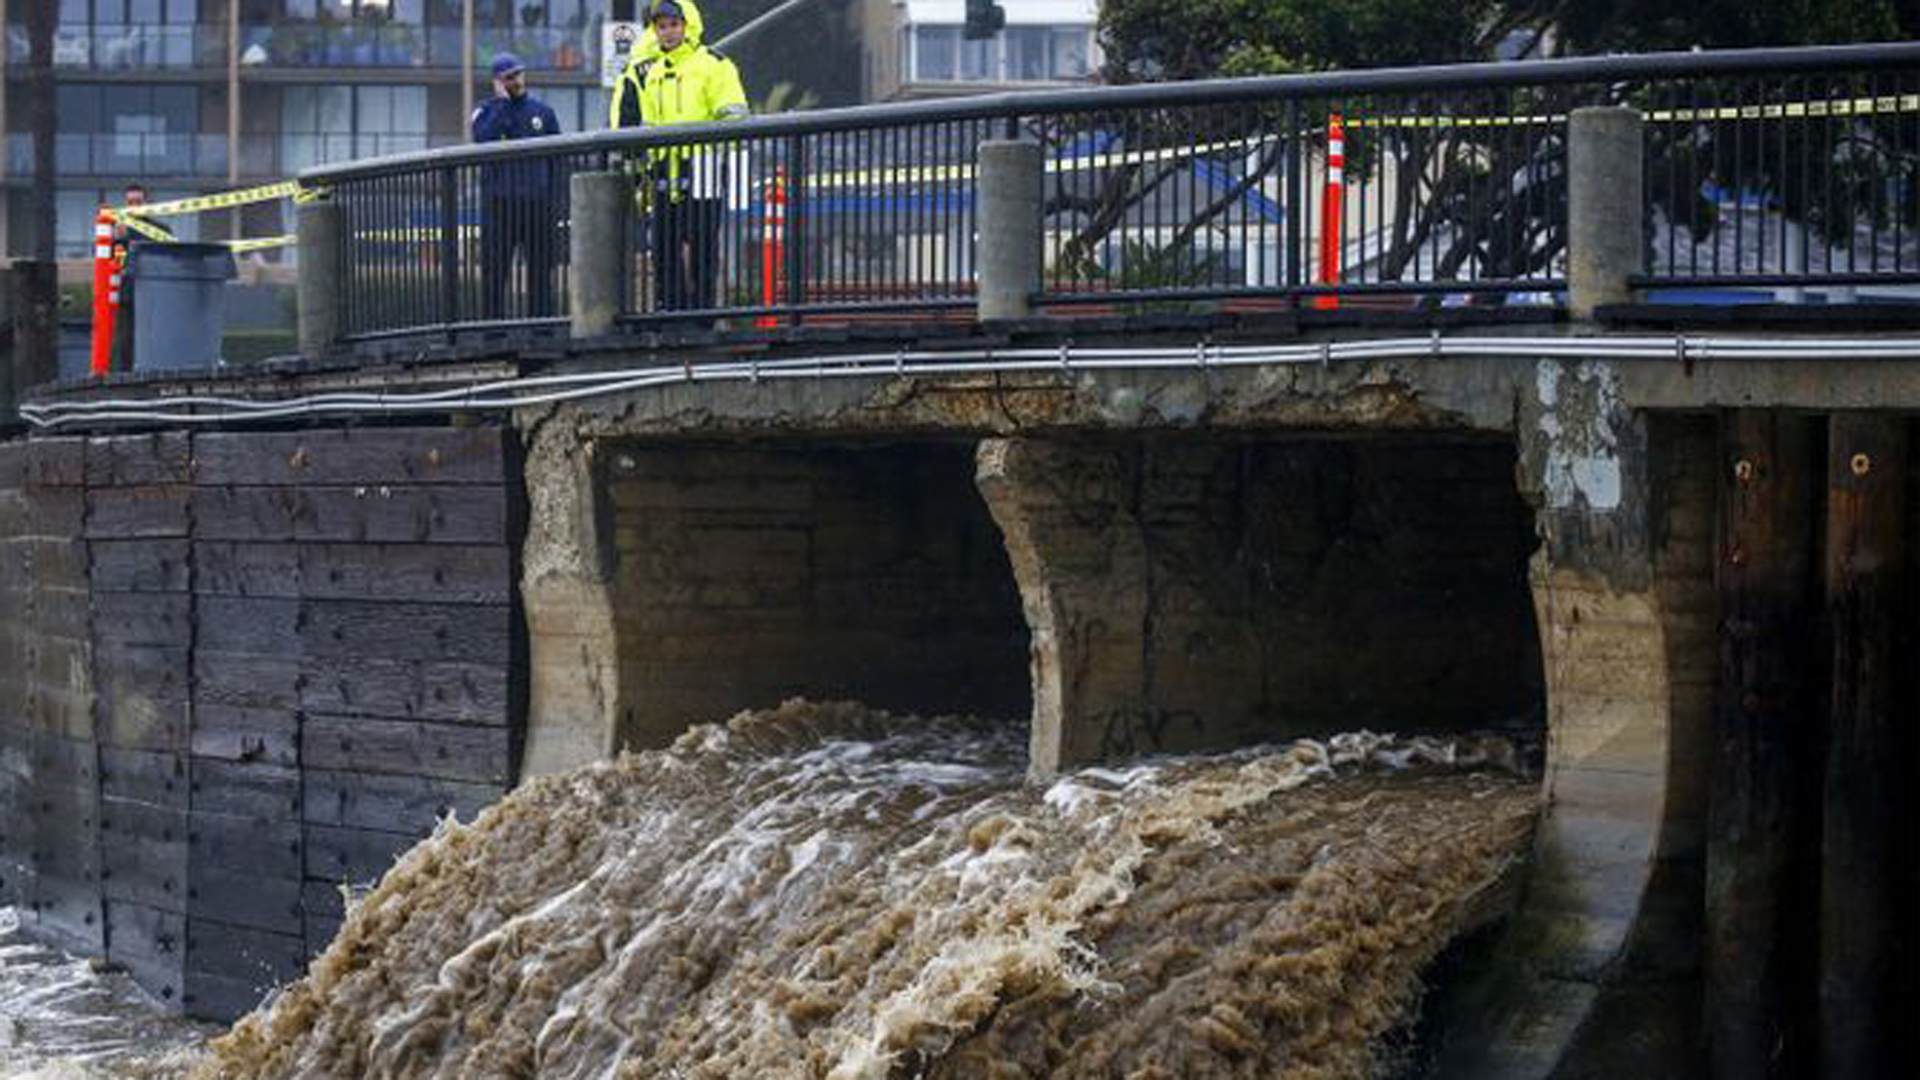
(506, 64)
(666, 7)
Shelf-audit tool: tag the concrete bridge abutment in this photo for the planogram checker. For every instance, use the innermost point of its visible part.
(1540, 545)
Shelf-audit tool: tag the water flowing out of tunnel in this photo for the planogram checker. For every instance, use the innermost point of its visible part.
(823, 891)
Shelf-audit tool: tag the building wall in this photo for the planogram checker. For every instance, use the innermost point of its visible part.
(915, 48)
(145, 93)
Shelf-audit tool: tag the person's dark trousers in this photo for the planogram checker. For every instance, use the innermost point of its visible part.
(686, 254)
(510, 225)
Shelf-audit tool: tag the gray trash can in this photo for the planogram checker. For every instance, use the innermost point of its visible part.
(179, 304)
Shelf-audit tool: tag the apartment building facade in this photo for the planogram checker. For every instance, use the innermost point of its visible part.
(915, 48)
(196, 96)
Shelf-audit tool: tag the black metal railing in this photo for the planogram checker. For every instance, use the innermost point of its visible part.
(1800, 174)
(1764, 167)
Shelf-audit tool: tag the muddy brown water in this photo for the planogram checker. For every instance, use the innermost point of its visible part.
(823, 892)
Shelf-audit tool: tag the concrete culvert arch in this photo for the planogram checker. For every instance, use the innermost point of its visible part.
(746, 573)
(1170, 590)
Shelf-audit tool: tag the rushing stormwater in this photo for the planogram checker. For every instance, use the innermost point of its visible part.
(822, 892)
(68, 1019)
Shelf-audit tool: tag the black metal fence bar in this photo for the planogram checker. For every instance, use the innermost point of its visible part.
(1784, 179)
(1765, 168)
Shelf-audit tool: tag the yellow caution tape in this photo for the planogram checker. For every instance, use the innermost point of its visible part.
(147, 229)
(133, 217)
(221, 201)
(424, 234)
(241, 247)
(1886, 104)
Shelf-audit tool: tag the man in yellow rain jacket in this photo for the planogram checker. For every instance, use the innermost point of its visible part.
(674, 79)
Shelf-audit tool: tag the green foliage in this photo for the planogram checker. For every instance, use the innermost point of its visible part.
(1145, 266)
(1191, 39)
(1147, 40)
(1642, 25)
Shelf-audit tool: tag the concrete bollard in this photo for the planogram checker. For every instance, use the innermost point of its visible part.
(598, 248)
(318, 283)
(1010, 218)
(1606, 242)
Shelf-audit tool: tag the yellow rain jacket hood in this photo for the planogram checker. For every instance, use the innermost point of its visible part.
(690, 85)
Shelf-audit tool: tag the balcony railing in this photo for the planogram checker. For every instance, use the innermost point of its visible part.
(1773, 168)
(308, 44)
(129, 47)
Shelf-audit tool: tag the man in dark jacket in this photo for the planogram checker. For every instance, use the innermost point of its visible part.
(520, 208)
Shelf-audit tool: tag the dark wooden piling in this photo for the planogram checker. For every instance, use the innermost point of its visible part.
(1862, 839)
(1762, 902)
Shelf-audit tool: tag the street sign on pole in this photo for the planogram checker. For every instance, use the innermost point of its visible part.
(618, 39)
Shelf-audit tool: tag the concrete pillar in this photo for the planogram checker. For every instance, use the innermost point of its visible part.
(573, 686)
(1009, 247)
(1606, 242)
(599, 250)
(1081, 563)
(318, 285)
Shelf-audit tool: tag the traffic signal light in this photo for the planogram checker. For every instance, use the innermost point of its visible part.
(984, 19)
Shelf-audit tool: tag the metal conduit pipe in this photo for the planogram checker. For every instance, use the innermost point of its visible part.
(555, 389)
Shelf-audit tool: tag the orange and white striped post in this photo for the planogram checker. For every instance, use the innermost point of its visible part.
(1330, 205)
(773, 248)
(106, 292)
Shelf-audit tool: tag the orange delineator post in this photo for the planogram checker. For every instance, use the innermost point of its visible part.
(106, 287)
(773, 253)
(1330, 199)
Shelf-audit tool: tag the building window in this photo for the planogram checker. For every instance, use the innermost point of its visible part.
(979, 60)
(1072, 53)
(126, 35)
(547, 35)
(321, 124)
(1027, 53)
(936, 53)
(130, 130)
(578, 108)
(1019, 54)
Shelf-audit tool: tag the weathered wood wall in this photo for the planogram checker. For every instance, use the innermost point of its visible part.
(238, 670)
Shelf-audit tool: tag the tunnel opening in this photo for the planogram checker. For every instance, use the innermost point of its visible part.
(1204, 593)
(746, 574)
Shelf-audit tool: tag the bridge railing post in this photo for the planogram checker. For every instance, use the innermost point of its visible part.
(1009, 246)
(1606, 242)
(598, 247)
(317, 284)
